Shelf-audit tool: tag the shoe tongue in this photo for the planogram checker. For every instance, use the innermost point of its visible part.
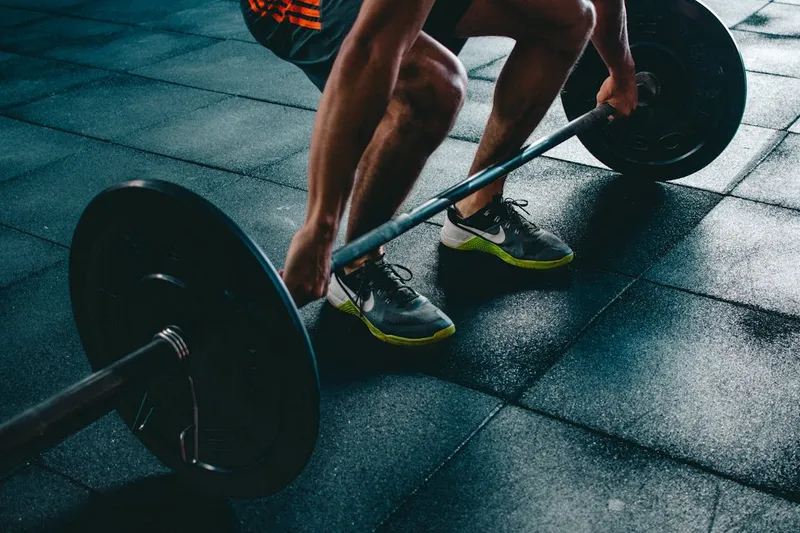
(397, 284)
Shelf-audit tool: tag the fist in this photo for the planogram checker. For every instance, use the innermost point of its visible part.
(307, 267)
(620, 92)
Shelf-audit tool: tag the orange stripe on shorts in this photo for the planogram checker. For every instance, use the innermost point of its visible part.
(314, 25)
(278, 11)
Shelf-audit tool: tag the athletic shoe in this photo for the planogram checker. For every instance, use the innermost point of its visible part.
(499, 229)
(394, 312)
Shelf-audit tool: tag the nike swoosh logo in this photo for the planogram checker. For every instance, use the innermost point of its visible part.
(366, 305)
(497, 238)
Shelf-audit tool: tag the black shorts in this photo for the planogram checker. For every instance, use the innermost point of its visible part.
(309, 33)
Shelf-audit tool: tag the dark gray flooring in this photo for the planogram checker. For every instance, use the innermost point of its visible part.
(653, 385)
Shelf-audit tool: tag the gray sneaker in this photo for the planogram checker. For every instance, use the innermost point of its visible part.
(499, 229)
(394, 312)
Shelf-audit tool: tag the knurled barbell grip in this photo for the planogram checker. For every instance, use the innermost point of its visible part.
(48, 423)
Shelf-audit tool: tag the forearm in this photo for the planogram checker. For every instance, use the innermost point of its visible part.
(353, 104)
(610, 36)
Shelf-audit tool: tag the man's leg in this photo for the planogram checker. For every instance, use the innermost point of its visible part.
(550, 35)
(429, 93)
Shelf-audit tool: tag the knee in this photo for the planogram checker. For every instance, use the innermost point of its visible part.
(567, 28)
(585, 18)
(579, 21)
(434, 91)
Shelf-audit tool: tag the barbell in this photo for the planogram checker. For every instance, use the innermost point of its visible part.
(193, 337)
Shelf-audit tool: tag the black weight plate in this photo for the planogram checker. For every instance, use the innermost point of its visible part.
(703, 89)
(150, 254)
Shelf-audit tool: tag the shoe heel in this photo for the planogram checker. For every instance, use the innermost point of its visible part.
(453, 236)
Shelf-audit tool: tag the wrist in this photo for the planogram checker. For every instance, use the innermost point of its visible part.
(626, 70)
(321, 227)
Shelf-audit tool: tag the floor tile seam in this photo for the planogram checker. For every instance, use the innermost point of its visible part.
(77, 86)
(111, 72)
(92, 491)
(299, 107)
(484, 65)
(715, 508)
(754, 163)
(744, 305)
(151, 78)
(140, 25)
(409, 496)
(149, 26)
(745, 29)
(764, 202)
(762, 126)
(795, 121)
(172, 55)
(29, 234)
(166, 119)
(61, 263)
(35, 273)
(127, 24)
(24, 24)
(30, 172)
(744, 20)
(224, 97)
(38, 461)
(13, 471)
(559, 353)
(784, 494)
(776, 74)
(26, 173)
(119, 144)
(479, 77)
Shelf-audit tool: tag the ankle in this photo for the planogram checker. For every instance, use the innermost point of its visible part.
(469, 206)
(358, 263)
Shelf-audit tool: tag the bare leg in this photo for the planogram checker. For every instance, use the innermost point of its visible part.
(429, 93)
(551, 35)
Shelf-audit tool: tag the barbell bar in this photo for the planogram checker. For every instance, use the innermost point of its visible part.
(193, 337)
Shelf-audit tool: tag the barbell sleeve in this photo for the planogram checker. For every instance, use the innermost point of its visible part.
(403, 223)
(48, 423)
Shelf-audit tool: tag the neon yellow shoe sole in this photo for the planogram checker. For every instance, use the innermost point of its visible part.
(477, 244)
(350, 308)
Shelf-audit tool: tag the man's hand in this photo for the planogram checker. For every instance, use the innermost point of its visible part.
(308, 263)
(619, 91)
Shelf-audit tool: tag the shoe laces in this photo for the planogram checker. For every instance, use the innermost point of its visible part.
(388, 279)
(509, 206)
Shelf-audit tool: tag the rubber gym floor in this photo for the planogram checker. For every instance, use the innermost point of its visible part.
(654, 385)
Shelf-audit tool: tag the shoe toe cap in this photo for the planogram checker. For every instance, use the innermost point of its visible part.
(421, 319)
(553, 249)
